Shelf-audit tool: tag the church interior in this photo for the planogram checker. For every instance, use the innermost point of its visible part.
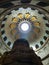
(24, 32)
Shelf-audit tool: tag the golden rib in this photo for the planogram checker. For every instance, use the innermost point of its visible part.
(37, 24)
(13, 32)
(15, 19)
(20, 15)
(27, 15)
(12, 26)
(33, 18)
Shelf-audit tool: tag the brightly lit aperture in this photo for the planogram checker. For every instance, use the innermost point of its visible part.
(25, 27)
